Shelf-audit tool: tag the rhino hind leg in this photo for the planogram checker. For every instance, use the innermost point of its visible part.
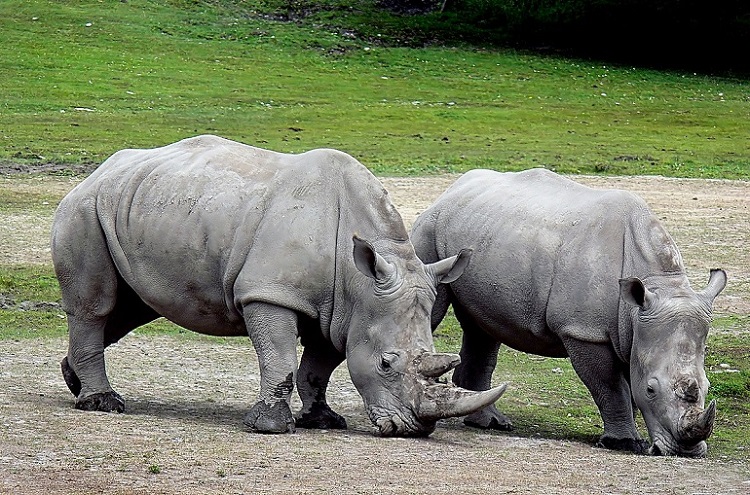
(107, 401)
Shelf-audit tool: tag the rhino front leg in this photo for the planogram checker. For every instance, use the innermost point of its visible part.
(319, 359)
(606, 378)
(478, 361)
(273, 330)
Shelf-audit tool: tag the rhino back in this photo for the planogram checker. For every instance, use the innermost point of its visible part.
(202, 226)
(548, 254)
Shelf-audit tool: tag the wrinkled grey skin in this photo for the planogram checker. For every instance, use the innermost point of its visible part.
(226, 239)
(560, 269)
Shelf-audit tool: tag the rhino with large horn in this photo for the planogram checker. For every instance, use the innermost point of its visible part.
(227, 239)
(560, 269)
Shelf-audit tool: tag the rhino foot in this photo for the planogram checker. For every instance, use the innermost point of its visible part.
(489, 418)
(270, 418)
(71, 379)
(105, 402)
(635, 445)
(321, 417)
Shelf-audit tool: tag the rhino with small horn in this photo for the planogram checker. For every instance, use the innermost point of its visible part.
(227, 239)
(560, 269)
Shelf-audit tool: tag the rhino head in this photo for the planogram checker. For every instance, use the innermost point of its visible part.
(668, 380)
(389, 348)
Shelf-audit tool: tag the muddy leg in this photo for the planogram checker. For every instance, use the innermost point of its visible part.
(605, 377)
(319, 359)
(478, 361)
(273, 330)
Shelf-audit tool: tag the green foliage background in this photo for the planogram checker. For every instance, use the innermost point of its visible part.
(84, 79)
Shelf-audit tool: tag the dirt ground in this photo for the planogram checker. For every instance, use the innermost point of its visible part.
(186, 399)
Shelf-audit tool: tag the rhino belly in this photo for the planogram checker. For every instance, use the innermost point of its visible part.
(509, 318)
(182, 266)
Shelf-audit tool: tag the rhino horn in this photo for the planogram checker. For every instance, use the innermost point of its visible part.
(445, 401)
(696, 425)
(434, 364)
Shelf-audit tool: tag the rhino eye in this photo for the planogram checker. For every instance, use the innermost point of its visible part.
(651, 387)
(387, 361)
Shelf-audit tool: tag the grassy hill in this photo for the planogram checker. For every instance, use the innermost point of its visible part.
(82, 79)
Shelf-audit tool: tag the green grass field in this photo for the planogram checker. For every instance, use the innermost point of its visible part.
(82, 79)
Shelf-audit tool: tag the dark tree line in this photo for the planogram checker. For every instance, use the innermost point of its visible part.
(686, 34)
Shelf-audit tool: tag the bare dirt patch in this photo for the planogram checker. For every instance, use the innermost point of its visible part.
(186, 398)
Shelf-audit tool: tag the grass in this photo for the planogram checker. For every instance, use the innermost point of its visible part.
(84, 81)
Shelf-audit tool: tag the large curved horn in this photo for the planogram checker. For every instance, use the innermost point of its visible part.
(445, 401)
(696, 425)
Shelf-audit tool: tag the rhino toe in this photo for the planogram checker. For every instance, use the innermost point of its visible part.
(270, 418)
(635, 445)
(104, 402)
(489, 418)
(321, 417)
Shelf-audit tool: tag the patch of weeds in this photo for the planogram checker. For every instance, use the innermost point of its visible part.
(154, 469)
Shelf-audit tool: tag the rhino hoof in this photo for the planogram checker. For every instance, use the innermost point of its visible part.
(489, 418)
(71, 379)
(104, 402)
(321, 417)
(635, 445)
(273, 418)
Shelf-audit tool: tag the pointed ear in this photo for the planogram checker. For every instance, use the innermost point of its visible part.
(448, 270)
(716, 283)
(369, 262)
(634, 292)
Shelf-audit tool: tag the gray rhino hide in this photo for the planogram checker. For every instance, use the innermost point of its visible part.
(544, 278)
(227, 239)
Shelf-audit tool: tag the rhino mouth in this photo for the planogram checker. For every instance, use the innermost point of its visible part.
(697, 451)
(390, 424)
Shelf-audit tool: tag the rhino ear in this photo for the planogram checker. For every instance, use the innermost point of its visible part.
(716, 283)
(369, 262)
(448, 270)
(634, 292)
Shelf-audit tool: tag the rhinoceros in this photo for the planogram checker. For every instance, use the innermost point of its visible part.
(227, 239)
(563, 270)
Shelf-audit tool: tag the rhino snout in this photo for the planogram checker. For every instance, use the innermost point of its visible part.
(689, 440)
(392, 424)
